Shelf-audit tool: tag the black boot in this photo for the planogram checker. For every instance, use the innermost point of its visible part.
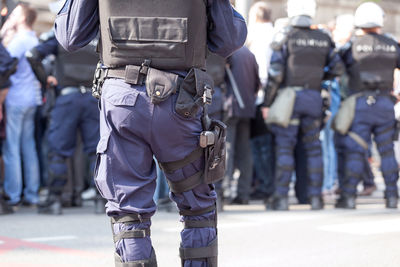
(4, 207)
(346, 202)
(52, 205)
(391, 202)
(317, 203)
(280, 203)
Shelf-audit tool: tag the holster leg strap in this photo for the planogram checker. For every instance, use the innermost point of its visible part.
(209, 253)
(151, 262)
(170, 167)
(186, 184)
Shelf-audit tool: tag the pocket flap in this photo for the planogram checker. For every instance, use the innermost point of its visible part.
(103, 144)
(148, 29)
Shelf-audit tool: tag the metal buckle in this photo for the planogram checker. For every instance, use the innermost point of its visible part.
(207, 95)
(371, 100)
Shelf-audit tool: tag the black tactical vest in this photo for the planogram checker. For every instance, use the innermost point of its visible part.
(308, 52)
(172, 34)
(375, 59)
(77, 68)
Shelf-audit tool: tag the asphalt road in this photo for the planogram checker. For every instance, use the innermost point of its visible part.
(249, 236)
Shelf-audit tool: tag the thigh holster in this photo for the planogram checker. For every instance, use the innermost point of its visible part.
(134, 233)
(212, 148)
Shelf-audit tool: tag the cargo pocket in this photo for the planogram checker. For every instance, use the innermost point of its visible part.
(103, 175)
(148, 37)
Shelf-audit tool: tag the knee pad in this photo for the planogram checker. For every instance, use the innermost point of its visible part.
(134, 233)
(207, 253)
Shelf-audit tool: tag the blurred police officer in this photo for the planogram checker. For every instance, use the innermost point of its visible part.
(8, 66)
(370, 58)
(302, 58)
(152, 96)
(75, 109)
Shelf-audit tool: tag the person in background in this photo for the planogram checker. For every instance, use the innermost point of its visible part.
(262, 143)
(8, 66)
(23, 97)
(244, 68)
(75, 110)
(371, 59)
(303, 57)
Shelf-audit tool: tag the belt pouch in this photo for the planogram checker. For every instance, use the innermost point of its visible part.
(190, 98)
(160, 85)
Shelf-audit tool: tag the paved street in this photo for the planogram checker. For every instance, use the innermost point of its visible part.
(248, 236)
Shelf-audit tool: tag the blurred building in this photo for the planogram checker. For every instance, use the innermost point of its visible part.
(45, 18)
(329, 9)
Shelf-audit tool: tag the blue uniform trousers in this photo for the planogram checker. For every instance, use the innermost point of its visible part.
(377, 119)
(132, 130)
(71, 113)
(308, 110)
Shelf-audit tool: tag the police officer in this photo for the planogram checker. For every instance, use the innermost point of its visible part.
(152, 97)
(370, 59)
(302, 58)
(75, 109)
(8, 66)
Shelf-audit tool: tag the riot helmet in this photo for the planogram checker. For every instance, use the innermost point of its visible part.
(369, 15)
(301, 7)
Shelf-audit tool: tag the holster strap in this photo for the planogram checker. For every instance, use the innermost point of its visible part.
(170, 167)
(197, 212)
(199, 224)
(187, 183)
(200, 253)
(135, 233)
(358, 139)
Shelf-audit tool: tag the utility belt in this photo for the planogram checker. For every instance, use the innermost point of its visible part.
(195, 91)
(344, 118)
(73, 90)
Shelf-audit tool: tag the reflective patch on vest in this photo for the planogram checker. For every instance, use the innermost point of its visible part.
(312, 43)
(364, 48)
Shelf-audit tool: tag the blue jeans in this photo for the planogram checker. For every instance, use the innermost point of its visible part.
(329, 157)
(20, 146)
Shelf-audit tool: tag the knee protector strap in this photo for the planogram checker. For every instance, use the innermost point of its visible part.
(151, 262)
(135, 233)
(208, 253)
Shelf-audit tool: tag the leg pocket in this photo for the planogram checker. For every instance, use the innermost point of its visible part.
(103, 173)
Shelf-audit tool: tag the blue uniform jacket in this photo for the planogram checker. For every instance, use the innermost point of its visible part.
(48, 47)
(78, 23)
(5, 60)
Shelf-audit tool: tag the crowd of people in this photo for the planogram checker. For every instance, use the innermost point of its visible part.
(278, 95)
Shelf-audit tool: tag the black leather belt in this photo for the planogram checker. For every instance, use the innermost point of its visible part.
(73, 90)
